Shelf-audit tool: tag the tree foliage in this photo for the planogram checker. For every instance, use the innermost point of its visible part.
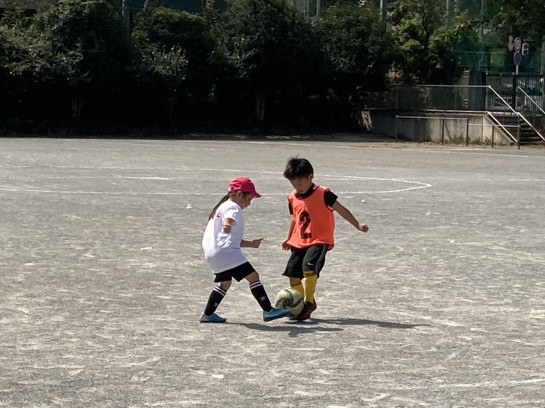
(522, 18)
(271, 48)
(82, 47)
(161, 27)
(415, 23)
(257, 64)
(358, 51)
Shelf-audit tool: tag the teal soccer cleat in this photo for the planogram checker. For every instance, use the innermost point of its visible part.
(274, 313)
(213, 318)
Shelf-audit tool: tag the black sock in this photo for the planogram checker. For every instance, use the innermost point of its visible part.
(260, 295)
(214, 300)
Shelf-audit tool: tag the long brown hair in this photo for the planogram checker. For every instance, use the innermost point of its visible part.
(220, 202)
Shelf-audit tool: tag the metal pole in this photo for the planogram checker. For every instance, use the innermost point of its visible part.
(126, 13)
(481, 29)
(450, 13)
(383, 10)
(493, 129)
(481, 35)
(467, 132)
(542, 71)
(514, 94)
(482, 128)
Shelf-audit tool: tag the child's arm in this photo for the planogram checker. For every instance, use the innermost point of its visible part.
(255, 243)
(348, 216)
(285, 244)
(227, 224)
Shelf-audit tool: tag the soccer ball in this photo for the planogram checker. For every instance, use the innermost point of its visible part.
(291, 300)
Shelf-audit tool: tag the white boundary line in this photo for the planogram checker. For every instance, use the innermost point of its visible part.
(119, 193)
(417, 185)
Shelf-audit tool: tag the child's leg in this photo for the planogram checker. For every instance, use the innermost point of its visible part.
(313, 263)
(309, 285)
(297, 284)
(269, 312)
(216, 296)
(294, 270)
(258, 290)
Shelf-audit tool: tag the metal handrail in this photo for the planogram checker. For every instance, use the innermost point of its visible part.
(503, 100)
(504, 128)
(513, 138)
(524, 118)
(531, 99)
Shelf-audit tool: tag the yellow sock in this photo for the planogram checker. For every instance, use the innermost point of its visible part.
(309, 284)
(298, 286)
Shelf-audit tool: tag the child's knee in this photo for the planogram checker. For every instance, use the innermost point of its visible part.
(294, 281)
(252, 277)
(224, 285)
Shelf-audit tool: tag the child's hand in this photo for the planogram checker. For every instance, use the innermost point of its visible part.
(286, 246)
(363, 227)
(256, 242)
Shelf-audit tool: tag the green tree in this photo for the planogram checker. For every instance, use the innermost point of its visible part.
(522, 18)
(516, 18)
(13, 54)
(271, 48)
(84, 47)
(358, 51)
(430, 51)
(185, 42)
(414, 23)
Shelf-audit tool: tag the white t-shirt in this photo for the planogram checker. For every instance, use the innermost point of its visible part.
(221, 250)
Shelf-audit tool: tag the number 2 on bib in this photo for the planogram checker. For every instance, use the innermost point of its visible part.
(304, 220)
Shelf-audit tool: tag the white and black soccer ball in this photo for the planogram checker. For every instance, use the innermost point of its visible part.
(291, 300)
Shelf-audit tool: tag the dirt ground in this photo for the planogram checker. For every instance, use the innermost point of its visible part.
(440, 304)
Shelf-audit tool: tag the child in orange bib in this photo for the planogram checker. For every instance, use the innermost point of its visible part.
(311, 230)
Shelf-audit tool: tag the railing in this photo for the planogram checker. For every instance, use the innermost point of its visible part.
(533, 114)
(442, 125)
(508, 117)
(454, 133)
(466, 98)
(507, 85)
(425, 97)
(505, 128)
(444, 97)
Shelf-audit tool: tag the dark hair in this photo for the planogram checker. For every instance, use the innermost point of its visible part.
(220, 202)
(298, 167)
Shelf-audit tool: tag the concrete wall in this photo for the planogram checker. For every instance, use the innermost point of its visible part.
(444, 127)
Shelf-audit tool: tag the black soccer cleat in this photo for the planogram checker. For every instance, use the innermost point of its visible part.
(307, 311)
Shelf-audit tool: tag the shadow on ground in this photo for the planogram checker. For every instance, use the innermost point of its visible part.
(295, 328)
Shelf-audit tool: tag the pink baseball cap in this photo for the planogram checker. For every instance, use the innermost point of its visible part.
(243, 184)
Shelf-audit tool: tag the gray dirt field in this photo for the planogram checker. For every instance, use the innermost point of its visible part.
(440, 304)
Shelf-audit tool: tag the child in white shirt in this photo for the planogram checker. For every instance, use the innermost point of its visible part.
(222, 242)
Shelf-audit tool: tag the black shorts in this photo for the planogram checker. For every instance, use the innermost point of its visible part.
(238, 272)
(311, 258)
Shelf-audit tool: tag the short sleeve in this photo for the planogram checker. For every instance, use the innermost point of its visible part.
(232, 213)
(329, 198)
